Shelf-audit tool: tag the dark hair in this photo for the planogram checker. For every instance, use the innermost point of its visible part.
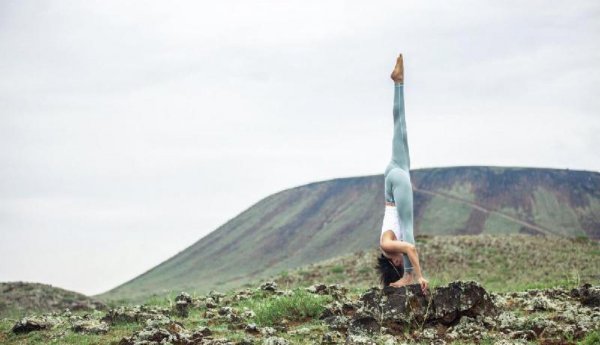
(388, 273)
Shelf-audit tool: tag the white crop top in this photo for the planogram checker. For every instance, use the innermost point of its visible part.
(391, 222)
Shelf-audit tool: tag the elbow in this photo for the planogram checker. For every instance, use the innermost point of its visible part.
(384, 246)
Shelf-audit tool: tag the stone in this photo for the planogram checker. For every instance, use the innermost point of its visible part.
(275, 341)
(588, 295)
(161, 331)
(396, 308)
(210, 303)
(268, 331)
(337, 322)
(355, 339)
(333, 337)
(34, 323)
(269, 286)
(252, 328)
(183, 301)
(90, 326)
(137, 314)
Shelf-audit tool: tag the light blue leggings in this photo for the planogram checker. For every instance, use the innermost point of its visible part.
(398, 188)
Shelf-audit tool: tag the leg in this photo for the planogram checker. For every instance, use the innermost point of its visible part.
(400, 153)
(403, 196)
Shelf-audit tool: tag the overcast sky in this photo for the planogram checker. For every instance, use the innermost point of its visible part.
(129, 130)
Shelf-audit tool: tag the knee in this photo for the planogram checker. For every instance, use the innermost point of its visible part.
(411, 248)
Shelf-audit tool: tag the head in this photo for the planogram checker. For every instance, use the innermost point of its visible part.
(390, 268)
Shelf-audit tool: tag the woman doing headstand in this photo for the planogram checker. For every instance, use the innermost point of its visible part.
(397, 242)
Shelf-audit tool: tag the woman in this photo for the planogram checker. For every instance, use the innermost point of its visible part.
(398, 264)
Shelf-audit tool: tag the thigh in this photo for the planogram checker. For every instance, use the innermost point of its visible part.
(388, 188)
(403, 196)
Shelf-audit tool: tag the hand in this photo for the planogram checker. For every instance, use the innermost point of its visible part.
(424, 284)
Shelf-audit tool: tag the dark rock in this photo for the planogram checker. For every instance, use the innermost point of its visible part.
(395, 308)
(182, 304)
(337, 322)
(337, 291)
(588, 295)
(204, 331)
(251, 328)
(269, 286)
(163, 331)
(34, 323)
(363, 324)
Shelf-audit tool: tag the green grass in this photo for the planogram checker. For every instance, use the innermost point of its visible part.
(299, 306)
(337, 269)
(592, 338)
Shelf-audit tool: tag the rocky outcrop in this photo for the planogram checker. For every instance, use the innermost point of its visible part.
(90, 326)
(35, 323)
(464, 311)
(459, 312)
(183, 302)
(137, 313)
(163, 330)
(588, 295)
(395, 308)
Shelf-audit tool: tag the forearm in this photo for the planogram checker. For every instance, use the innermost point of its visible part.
(413, 256)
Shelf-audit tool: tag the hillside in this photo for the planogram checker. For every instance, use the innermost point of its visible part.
(20, 298)
(501, 263)
(326, 219)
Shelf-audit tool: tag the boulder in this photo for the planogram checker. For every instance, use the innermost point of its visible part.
(269, 286)
(588, 295)
(34, 323)
(395, 308)
(183, 301)
(90, 326)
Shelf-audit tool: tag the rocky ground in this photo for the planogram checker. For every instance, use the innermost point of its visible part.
(484, 290)
(461, 312)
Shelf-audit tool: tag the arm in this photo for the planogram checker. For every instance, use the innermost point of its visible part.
(401, 247)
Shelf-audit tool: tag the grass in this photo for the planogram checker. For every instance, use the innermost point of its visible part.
(592, 338)
(299, 306)
(337, 269)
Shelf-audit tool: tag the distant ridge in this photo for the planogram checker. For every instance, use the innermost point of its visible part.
(321, 220)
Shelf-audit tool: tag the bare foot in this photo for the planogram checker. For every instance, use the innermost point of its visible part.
(398, 72)
(406, 280)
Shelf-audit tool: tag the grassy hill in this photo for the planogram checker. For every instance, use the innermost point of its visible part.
(20, 298)
(318, 221)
